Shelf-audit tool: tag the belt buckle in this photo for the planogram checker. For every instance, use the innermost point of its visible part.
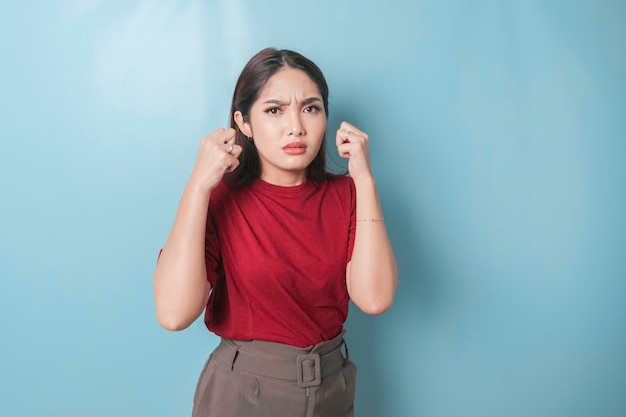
(300, 370)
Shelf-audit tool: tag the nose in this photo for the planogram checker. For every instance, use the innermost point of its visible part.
(296, 127)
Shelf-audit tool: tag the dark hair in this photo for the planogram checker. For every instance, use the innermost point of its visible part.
(251, 82)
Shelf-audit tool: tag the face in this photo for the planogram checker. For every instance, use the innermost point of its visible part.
(287, 124)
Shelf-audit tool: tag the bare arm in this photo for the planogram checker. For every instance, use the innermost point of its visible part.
(181, 288)
(372, 274)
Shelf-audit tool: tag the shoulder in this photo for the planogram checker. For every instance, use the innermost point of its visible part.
(342, 182)
(219, 192)
(343, 185)
(338, 191)
(222, 194)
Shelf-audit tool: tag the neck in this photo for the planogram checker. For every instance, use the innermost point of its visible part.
(284, 179)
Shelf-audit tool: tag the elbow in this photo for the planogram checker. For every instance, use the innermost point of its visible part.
(177, 309)
(173, 326)
(171, 322)
(374, 304)
(374, 299)
(375, 308)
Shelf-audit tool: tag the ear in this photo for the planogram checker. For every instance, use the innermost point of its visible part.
(243, 125)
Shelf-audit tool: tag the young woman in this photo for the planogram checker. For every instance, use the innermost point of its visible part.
(272, 247)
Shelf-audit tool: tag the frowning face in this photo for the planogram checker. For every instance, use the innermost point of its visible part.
(287, 123)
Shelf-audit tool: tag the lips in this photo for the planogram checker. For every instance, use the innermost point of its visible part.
(295, 145)
(294, 148)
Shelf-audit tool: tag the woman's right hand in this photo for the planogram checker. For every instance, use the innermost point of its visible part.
(214, 159)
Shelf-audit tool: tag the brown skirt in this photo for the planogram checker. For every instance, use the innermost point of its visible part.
(257, 378)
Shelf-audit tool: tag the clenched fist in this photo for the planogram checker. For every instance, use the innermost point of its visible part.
(218, 155)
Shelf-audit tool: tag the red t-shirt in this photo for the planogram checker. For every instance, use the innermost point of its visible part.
(276, 260)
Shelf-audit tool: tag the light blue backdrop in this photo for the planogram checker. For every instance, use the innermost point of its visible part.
(498, 142)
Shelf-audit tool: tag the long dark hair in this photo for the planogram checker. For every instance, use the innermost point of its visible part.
(251, 82)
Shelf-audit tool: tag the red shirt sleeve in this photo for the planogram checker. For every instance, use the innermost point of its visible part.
(211, 242)
(352, 220)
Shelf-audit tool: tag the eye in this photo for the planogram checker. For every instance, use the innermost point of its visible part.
(273, 110)
(312, 109)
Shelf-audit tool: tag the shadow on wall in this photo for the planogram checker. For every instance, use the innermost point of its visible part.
(367, 335)
(379, 343)
(360, 340)
(361, 336)
(397, 337)
(384, 347)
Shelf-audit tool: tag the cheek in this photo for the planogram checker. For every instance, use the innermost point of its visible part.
(264, 128)
(318, 125)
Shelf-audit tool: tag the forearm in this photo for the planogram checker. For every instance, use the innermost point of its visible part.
(372, 272)
(180, 282)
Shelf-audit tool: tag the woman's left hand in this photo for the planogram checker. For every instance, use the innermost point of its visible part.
(354, 145)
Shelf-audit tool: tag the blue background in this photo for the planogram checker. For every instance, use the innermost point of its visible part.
(497, 140)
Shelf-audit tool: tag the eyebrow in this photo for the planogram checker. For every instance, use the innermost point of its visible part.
(303, 102)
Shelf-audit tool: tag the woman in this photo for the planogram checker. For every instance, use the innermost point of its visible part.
(282, 248)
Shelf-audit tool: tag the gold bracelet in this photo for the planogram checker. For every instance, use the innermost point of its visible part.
(381, 220)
